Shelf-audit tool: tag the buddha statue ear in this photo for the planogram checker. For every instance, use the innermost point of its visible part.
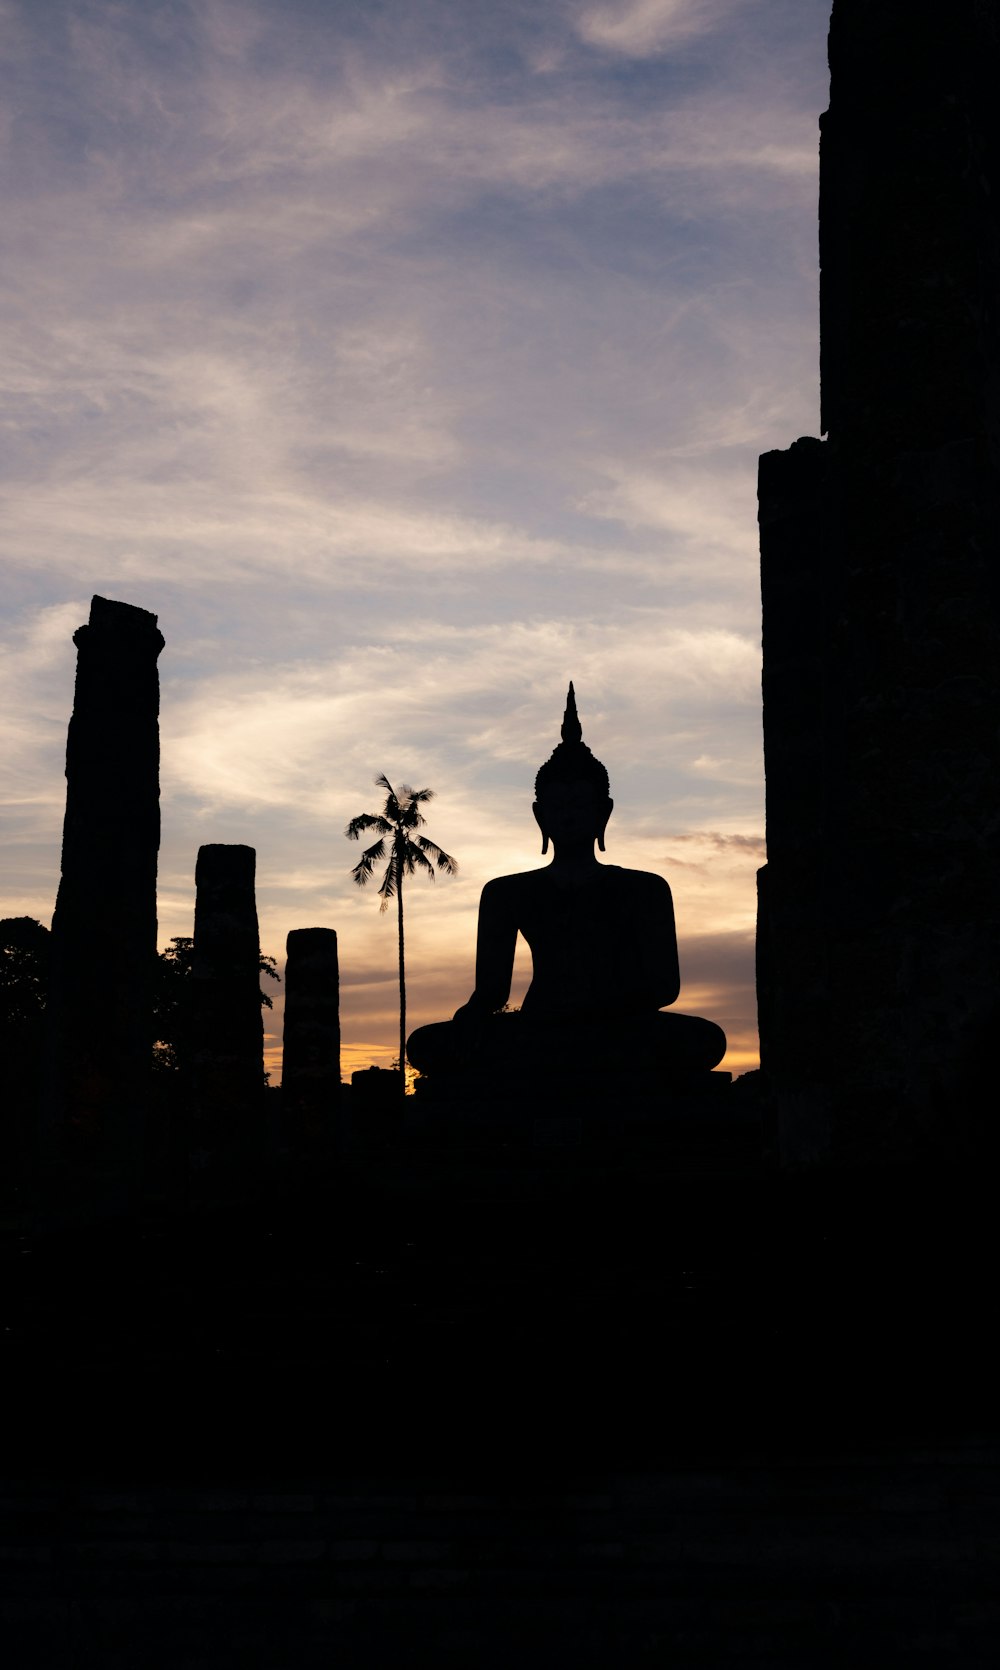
(537, 813)
(600, 833)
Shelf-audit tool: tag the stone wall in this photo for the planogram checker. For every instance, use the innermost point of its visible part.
(869, 1557)
(880, 559)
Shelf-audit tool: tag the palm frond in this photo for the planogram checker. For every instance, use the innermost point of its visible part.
(367, 820)
(442, 859)
(392, 807)
(414, 859)
(362, 870)
(390, 880)
(421, 795)
(410, 818)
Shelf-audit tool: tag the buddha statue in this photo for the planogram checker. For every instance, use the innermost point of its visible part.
(603, 948)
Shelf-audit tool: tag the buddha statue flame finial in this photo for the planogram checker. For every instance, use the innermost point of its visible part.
(572, 762)
(571, 730)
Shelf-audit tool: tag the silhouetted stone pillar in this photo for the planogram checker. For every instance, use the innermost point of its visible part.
(104, 925)
(880, 556)
(228, 1029)
(794, 995)
(310, 1075)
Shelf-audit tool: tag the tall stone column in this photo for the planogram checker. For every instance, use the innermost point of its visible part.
(310, 1077)
(228, 1031)
(104, 926)
(880, 556)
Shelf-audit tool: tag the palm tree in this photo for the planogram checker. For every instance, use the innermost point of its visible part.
(407, 852)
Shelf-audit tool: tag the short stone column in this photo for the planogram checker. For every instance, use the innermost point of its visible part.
(227, 1027)
(103, 948)
(310, 1075)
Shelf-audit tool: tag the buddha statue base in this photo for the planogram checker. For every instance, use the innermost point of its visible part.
(510, 1087)
(568, 1109)
(518, 1048)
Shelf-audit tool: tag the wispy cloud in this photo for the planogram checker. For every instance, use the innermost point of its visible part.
(644, 28)
(485, 695)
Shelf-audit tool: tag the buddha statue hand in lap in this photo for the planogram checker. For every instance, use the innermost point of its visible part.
(603, 951)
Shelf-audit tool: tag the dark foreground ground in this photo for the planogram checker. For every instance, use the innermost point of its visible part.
(487, 1408)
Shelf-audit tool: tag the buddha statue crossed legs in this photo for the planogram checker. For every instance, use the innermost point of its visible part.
(603, 948)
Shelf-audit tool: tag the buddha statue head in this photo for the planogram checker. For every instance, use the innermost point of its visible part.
(572, 800)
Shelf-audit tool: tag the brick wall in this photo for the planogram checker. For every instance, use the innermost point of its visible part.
(864, 1557)
(663, 1419)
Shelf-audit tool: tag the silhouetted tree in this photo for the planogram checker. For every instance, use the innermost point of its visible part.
(172, 1004)
(407, 852)
(24, 971)
(24, 994)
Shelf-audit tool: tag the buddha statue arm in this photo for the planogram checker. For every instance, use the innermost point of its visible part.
(661, 975)
(495, 945)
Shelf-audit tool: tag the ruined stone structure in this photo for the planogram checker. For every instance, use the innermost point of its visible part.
(310, 1076)
(104, 928)
(880, 904)
(228, 1029)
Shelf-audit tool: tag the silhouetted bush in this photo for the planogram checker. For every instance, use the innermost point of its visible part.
(24, 993)
(172, 1005)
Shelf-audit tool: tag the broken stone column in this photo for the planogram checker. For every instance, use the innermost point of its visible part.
(104, 926)
(228, 1031)
(310, 1079)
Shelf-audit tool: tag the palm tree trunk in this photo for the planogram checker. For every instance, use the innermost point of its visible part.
(402, 985)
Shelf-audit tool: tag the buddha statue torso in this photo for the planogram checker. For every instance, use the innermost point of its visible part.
(602, 945)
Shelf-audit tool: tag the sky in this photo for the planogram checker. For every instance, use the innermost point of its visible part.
(407, 359)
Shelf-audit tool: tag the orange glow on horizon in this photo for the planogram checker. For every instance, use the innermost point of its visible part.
(740, 1060)
(740, 1057)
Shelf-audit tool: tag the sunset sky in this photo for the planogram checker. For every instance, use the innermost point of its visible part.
(407, 358)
